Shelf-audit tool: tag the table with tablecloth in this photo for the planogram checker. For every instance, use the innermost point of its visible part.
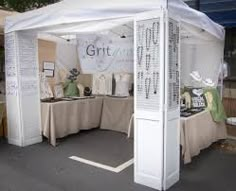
(198, 132)
(117, 113)
(63, 118)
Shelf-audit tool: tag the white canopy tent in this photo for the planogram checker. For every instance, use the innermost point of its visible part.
(156, 117)
(72, 17)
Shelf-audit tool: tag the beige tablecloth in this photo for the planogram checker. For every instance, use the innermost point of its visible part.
(67, 117)
(116, 113)
(198, 132)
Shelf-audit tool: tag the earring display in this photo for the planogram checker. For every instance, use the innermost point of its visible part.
(140, 55)
(148, 64)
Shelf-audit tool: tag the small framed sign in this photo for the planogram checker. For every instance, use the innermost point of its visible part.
(49, 73)
(48, 65)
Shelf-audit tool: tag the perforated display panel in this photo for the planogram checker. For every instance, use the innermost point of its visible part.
(148, 64)
(173, 67)
(29, 91)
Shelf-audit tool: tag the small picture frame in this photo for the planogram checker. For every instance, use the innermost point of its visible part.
(49, 73)
(48, 65)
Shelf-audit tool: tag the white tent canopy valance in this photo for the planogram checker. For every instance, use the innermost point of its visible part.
(73, 11)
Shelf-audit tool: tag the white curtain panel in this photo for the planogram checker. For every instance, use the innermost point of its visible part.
(200, 52)
(66, 59)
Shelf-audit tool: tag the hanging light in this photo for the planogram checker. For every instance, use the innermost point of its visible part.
(122, 36)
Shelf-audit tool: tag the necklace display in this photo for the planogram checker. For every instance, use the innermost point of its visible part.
(148, 64)
(155, 81)
(148, 38)
(140, 55)
(148, 60)
(140, 34)
(155, 31)
(147, 87)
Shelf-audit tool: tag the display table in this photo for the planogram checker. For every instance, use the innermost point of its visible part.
(60, 119)
(199, 132)
(117, 113)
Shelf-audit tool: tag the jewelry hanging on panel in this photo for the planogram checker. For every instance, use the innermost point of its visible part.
(170, 94)
(171, 31)
(140, 34)
(176, 87)
(155, 56)
(140, 55)
(171, 61)
(175, 96)
(148, 60)
(177, 93)
(148, 38)
(147, 87)
(155, 81)
(174, 43)
(140, 81)
(177, 33)
(155, 32)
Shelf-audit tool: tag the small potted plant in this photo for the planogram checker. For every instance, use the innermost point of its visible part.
(70, 86)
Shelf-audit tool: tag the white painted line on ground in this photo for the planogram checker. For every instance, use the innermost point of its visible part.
(102, 166)
(125, 165)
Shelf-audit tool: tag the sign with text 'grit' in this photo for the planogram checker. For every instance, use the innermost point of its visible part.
(105, 53)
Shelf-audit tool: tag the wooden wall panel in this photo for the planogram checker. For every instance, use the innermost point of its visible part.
(230, 106)
(230, 109)
(46, 52)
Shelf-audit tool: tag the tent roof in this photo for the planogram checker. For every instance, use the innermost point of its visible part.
(80, 11)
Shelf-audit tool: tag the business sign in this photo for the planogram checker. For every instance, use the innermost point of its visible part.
(105, 53)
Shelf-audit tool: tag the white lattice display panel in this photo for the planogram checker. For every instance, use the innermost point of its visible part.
(148, 64)
(22, 89)
(173, 73)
